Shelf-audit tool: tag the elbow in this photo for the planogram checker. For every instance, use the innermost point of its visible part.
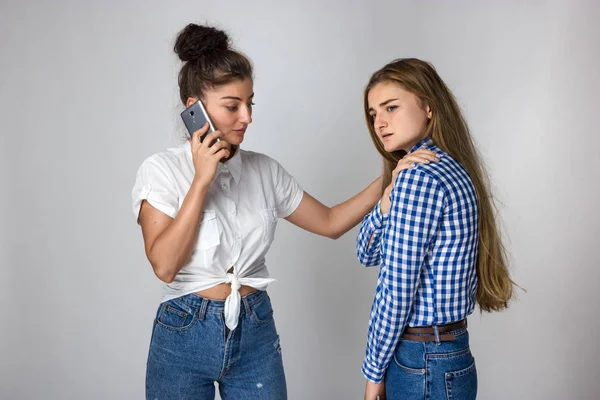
(164, 275)
(334, 232)
(367, 261)
(364, 262)
(335, 235)
(333, 226)
(163, 271)
(361, 259)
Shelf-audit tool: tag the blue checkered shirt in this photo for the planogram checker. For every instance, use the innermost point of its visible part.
(427, 248)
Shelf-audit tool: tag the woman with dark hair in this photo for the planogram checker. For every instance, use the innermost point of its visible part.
(208, 212)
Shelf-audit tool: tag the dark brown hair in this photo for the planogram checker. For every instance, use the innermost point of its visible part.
(209, 61)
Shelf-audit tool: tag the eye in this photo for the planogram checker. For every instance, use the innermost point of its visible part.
(250, 105)
(372, 117)
(391, 108)
(232, 108)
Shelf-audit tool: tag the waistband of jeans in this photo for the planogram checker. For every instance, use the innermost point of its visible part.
(455, 332)
(218, 306)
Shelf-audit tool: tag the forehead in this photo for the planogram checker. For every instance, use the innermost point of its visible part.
(384, 91)
(237, 88)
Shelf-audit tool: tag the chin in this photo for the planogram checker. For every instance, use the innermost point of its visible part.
(392, 148)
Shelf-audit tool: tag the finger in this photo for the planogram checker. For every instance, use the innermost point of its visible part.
(198, 134)
(402, 167)
(416, 159)
(217, 146)
(428, 154)
(404, 160)
(210, 138)
(222, 153)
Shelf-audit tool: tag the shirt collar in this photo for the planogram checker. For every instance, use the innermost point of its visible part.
(423, 144)
(233, 165)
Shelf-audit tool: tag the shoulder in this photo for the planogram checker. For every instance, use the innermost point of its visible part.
(256, 157)
(447, 173)
(259, 160)
(171, 158)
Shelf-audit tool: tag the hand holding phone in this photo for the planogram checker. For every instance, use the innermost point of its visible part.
(207, 155)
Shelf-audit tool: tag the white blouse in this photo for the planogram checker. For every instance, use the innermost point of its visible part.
(250, 192)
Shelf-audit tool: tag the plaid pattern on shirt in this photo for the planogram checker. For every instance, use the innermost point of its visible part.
(427, 248)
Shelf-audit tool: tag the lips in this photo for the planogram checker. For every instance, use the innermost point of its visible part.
(386, 135)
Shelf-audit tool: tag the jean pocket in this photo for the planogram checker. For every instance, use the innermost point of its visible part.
(175, 317)
(262, 312)
(402, 381)
(269, 216)
(408, 370)
(462, 384)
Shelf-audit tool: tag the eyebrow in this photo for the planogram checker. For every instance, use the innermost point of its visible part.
(235, 98)
(381, 105)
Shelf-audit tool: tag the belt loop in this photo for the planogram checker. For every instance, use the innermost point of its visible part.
(436, 332)
(247, 306)
(202, 310)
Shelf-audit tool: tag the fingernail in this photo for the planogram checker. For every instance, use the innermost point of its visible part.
(412, 165)
(438, 156)
(426, 161)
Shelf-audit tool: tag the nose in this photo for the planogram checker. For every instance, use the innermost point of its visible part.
(380, 123)
(246, 115)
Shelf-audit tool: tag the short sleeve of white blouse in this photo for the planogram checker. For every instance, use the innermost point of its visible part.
(288, 192)
(154, 184)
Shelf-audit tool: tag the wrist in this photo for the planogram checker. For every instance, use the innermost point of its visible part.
(199, 185)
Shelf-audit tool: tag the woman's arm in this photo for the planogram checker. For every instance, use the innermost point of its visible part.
(414, 218)
(335, 221)
(169, 242)
(369, 237)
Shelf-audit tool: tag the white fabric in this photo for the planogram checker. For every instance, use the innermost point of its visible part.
(250, 192)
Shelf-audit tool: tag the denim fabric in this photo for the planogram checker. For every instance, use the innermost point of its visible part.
(191, 349)
(433, 371)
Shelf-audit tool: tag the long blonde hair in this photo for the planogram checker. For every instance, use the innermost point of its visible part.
(449, 131)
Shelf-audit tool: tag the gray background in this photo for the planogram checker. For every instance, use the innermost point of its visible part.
(89, 90)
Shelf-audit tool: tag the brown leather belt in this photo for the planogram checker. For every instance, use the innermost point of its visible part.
(427, 333)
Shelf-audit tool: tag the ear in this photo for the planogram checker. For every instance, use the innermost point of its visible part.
(190, 101)
(428, 111)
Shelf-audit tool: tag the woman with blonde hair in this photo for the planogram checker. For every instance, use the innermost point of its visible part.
(435, 235)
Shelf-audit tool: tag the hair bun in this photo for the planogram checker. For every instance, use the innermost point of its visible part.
(194, 41)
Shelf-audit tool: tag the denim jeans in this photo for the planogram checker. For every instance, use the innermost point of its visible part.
(433, 371)
(191, 349)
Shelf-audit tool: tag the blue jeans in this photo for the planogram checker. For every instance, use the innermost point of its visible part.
(191, 349)
(430, 370)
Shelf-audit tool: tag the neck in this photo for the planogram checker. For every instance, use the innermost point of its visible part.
(412, 144)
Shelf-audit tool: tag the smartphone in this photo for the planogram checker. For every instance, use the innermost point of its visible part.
(194, 117)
